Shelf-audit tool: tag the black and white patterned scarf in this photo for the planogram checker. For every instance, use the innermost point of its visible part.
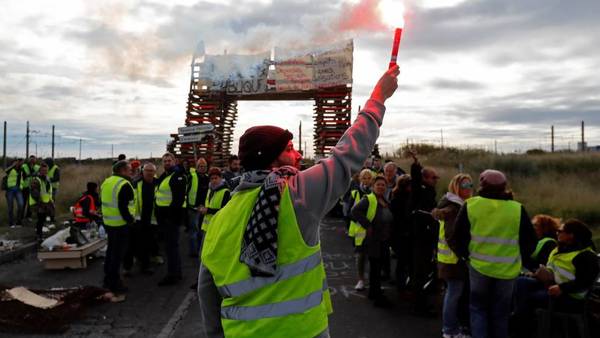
(259, 244)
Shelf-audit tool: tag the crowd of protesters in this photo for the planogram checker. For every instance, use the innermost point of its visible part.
(496, 265)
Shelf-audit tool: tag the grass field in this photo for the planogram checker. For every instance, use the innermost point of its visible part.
(564, 185)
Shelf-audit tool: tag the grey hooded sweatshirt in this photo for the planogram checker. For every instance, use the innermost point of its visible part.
(314, 192)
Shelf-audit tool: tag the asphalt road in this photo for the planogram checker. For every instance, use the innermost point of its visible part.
(150, 311)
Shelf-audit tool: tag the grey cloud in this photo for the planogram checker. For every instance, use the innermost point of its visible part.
(449, 84)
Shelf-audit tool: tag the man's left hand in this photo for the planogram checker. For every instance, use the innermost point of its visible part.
(554, 291)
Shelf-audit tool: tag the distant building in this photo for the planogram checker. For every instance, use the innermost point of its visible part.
(595, 149)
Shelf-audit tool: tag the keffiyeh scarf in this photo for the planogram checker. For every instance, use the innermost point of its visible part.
(259, 244)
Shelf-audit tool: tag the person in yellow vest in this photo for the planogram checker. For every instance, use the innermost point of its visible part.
(545, 229)
(455, 313)
(373, 214)
(495, 234)
(29, 169)
(196, 195)
(53, 175)
(13, 177)
(169, 201)
(217, 197)
(40, 198)
(357, 232)
(141, 237)
(570, 273)
(118, 210)
(261, 272)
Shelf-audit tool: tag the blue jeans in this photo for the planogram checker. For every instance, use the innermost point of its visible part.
(489, 305)
(453, 299)
(530, 294)
(11, 196)
(194, 223)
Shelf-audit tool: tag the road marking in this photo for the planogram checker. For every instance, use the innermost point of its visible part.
(168, 330)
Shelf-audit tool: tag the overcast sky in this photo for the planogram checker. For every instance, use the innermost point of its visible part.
(117, 72)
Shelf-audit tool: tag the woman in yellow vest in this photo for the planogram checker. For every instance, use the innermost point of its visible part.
(455, 313)
(545, 229)
(355, 231)
(373, 214)
(494, 233)
(262, 272)
(571, 271)
(218, 195)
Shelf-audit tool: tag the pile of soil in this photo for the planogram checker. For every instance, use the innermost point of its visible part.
(18, 317)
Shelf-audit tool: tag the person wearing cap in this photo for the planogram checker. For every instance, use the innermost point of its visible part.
(197, 189)
(495, 235)
(170, 199)
(85, 209)
(12, 184)
(261, 272)
(118, 217)
(217, 197)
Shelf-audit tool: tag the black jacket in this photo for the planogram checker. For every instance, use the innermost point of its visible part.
(147, 200)
(178, 185)
(125, 196)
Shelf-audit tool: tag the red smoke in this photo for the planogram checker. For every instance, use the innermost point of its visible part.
(363, 16)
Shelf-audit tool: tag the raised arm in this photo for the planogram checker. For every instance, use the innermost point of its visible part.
(316, 190)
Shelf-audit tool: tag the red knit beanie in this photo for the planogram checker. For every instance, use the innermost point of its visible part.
(261, 145)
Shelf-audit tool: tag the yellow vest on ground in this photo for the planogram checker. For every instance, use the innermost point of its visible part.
(213, 203)
(494, 248)
(164, 195)
(110, 201)
(51, 173)
(45, 194)
(444, 253)
(293, 303)
(561, 264)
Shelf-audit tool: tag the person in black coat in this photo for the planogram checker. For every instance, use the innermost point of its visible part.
(401, 244)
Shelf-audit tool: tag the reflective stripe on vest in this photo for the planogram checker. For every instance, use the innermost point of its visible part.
(294, 303)
(110, 201)
(540, 246)
(561, 264)
(361, 233)
(494, 247)
(164, 196)
(213, 202)
(51, 176)
(45, 194)
(78, 209)
(444, 253)
(13, 178)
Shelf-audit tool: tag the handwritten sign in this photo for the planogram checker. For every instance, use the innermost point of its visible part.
(287, 71)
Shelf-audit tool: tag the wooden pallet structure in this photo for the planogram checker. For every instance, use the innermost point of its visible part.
(219, 106)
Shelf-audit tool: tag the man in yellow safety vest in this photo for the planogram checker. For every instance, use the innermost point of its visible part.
(262, 273)
(118, 208)
(12, 185)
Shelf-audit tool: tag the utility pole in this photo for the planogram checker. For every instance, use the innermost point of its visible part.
(53, 142)
(27, 141)
(80, 151)
(112, 151)
(300, 135)
(496, 147)
(583, 136)
(4, 148)
(552, 137)
(442, 137)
